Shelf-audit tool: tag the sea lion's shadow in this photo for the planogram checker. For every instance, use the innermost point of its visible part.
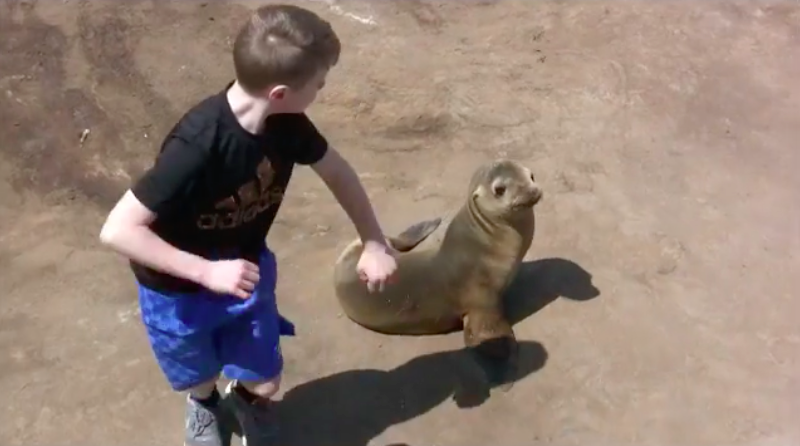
(353, 407)
(540, 282)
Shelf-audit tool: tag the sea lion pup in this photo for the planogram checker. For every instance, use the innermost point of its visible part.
(458, 283)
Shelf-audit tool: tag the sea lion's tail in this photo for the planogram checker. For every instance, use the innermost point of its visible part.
(403, 242)
(414, 235)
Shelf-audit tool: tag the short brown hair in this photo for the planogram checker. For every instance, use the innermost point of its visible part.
(283, 44)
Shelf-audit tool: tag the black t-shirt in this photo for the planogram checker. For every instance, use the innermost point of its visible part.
(216, 188)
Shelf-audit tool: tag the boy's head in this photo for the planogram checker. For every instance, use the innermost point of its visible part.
(283, 54)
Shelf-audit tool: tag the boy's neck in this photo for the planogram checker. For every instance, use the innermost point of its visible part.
(250, 111)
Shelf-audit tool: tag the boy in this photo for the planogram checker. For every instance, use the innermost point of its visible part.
(194, 225)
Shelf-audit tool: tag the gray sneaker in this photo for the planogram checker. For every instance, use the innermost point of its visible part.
(258, 422)
(204, 426)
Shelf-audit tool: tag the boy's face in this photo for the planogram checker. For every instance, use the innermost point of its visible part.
(288, 100)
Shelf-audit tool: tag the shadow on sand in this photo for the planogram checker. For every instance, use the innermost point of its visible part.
(354, 407)
(540, 282)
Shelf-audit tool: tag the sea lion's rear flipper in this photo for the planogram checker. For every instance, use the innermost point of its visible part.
(414, 235)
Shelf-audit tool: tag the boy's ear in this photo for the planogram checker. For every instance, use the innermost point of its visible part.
(277, 92)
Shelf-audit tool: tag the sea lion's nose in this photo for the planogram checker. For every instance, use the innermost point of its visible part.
(537, 194)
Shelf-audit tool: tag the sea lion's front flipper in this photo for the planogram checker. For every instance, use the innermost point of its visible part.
(414, 235)
(492, 341)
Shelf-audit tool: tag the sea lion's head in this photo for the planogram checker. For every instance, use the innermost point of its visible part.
(505, 188)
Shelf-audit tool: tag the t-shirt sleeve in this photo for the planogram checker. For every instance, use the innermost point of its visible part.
(170, 181)
(311, 145)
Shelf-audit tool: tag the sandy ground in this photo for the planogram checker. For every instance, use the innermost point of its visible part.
(661, 288)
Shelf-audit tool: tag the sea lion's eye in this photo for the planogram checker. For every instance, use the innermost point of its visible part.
(499, 190)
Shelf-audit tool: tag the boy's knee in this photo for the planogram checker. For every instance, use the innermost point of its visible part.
(263, 389)
(205, 389)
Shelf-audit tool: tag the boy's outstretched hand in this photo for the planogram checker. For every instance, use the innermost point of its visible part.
(377, 265)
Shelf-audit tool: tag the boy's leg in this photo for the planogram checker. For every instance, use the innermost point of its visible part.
(189, 362)
(251, 356)
(250, 350)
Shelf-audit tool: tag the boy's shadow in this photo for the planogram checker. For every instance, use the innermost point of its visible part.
(353, 407)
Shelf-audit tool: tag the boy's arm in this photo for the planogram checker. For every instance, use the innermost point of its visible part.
(126, 230)
(157, 193)
(343, 182)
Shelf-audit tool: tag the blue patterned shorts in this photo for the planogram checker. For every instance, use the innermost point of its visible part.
(196, 336)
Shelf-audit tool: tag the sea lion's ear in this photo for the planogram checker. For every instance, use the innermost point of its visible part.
(478, 192)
